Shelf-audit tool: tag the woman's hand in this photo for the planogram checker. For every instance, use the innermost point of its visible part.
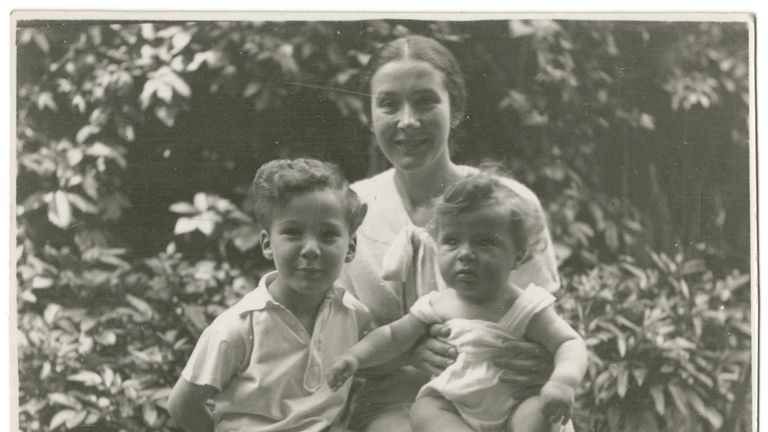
(433, 354)
(527, 365)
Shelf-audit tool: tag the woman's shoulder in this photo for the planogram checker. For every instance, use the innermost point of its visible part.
(374, 184)
(510, 182)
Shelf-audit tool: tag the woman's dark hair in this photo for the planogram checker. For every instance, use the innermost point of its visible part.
(477, 191)
(278, 181)
(430, 51)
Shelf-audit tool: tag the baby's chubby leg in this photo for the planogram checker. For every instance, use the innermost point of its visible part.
(434, 413)
(528, 418)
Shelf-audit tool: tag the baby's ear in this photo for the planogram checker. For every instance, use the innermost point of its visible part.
(521, 257)
(351, 249)
(266, 245)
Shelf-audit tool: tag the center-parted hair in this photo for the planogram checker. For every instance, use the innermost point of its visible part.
(477, 191)
(430, 51)
(278, 181)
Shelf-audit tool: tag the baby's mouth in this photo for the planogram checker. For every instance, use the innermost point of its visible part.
(466, 274)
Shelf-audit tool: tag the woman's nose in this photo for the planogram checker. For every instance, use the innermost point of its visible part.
(408, 119)
(311, 248)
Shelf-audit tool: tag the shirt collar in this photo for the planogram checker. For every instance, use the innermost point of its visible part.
(260, 298)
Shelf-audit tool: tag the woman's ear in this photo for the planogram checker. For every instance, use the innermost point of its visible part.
(266, 246)
(351, 249)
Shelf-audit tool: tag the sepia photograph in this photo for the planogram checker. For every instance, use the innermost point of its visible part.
(379, 221)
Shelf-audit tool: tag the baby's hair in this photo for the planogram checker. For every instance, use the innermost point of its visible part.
(430, 51)
(478, 191)
(278, 181)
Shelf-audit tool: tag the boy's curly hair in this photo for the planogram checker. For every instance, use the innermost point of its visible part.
(480, 190)
(277, 181)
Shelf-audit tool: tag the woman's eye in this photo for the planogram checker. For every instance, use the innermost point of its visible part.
(426, 101)
(387, 104)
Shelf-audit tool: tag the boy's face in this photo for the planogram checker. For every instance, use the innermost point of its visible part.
(477, 252)
(309, 241)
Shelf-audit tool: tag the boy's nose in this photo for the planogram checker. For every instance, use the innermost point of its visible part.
(311, 248)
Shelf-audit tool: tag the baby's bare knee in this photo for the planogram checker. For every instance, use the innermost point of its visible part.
(528, 418)
(426, 409)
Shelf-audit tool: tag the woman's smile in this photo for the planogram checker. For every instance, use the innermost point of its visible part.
(411, 114)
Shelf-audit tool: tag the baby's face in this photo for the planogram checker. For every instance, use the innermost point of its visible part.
(309, 240)
(477, 251)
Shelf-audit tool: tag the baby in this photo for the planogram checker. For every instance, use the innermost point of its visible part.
(484, 230)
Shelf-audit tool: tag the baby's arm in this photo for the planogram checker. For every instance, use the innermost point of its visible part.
(380, 346)
(186, 404)
(557, 395)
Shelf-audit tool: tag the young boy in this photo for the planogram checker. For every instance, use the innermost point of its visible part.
(262, 361)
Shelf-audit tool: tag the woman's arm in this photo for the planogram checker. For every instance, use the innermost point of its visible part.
(186, 405)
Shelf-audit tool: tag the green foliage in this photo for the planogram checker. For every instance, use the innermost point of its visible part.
(136, 144)
(668, 344)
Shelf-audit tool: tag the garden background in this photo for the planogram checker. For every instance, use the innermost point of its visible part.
(136, 143)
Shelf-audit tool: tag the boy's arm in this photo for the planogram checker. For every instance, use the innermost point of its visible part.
(570, 352)
(186, 405)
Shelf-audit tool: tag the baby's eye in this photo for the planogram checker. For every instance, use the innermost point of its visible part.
(449, 241)
(485, 242)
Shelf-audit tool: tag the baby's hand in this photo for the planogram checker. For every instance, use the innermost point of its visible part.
(556, 402)
(341, 371)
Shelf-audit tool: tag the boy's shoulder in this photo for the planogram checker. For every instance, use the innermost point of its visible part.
(362, 313)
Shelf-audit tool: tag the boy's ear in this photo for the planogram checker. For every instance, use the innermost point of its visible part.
(352, 249)
(266, 246)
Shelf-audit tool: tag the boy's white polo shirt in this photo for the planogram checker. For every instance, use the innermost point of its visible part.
(270, 372)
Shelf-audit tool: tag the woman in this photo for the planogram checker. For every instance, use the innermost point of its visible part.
(417, 97)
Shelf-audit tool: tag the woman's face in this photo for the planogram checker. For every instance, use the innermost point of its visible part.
(411, 114)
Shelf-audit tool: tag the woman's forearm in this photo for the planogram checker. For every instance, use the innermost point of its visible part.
(570, 363)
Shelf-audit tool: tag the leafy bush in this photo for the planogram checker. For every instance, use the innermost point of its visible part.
(668, 344)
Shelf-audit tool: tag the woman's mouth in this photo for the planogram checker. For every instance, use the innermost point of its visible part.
(410, 142)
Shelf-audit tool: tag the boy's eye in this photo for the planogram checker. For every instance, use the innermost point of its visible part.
(330, 235)
(291, 232)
